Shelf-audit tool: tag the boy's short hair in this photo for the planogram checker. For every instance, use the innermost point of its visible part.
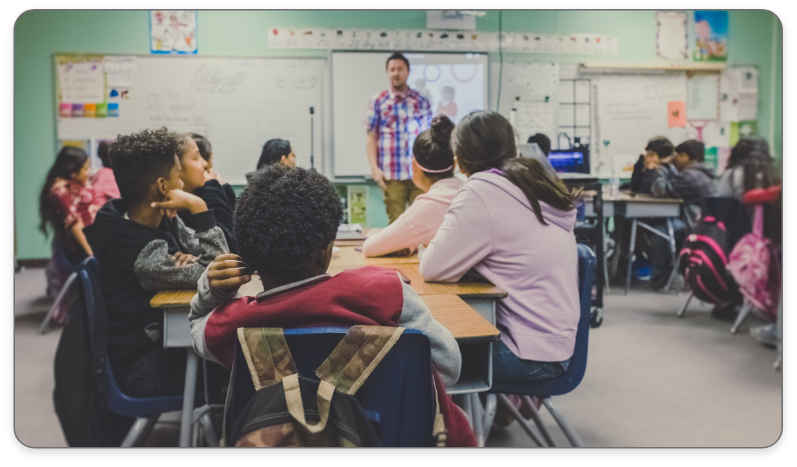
(104, 153)
(542, 141)
(273, 151)
(283, 217)
(205, 149)
(398, 56)
(661, 146)
(140, 159)
(696, 150)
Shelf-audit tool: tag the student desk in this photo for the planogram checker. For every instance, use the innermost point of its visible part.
(638, 206)
(473, 333)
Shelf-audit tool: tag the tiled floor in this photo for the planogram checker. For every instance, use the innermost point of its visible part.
(652, 379)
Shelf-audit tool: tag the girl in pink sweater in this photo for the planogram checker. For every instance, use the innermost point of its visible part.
(433, 172)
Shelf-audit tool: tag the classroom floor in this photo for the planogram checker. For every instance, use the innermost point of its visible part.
(652, 380)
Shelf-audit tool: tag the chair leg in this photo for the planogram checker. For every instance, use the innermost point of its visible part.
(535, 415)
(137, 430)
(478, 418)
(188, 398)
(742, 315)
(466, 407)
(571, 434)
(490, 405)
(45, 326)
(632, 242)
(503, 400)
(210, 434)
(682, 310)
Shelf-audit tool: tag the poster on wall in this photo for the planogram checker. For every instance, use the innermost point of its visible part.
(672, 38)
(173, 31)
(711, 36)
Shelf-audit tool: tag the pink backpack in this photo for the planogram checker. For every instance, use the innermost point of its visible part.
(755, 267)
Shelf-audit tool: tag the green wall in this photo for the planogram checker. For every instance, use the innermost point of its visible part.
(40, 34)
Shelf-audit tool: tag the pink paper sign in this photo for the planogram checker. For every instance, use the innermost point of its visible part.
(676, 114)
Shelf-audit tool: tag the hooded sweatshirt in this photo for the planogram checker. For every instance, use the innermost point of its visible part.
(692, 184)
(492, 228)
(135, 263)
(418, 224)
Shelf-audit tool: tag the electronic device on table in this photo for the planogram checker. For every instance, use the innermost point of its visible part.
(573, 160)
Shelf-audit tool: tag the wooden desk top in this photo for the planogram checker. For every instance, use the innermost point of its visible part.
(466, 325)
(348, 256)
(413, 272)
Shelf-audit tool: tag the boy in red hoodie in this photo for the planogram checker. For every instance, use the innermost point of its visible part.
(285, 224)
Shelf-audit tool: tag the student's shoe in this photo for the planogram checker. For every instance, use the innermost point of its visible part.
(726, 311)
(766, 335)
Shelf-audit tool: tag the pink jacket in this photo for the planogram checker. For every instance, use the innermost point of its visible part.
(103, 185)
(491, 227)
(418, 224)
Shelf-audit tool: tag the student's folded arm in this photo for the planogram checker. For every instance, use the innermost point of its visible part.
(662, 187)
(445, 351)
(202, 305)
(156, 270)
(202, 237)
(464, 239)
(397, 236)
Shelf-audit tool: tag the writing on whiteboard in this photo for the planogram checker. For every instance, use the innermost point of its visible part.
(215, 80)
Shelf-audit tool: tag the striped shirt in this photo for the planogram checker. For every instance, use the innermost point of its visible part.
(397, 120)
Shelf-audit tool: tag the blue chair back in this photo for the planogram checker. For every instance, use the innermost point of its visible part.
(399, 394)
(96, 315)
(59, 256)
(578, 362)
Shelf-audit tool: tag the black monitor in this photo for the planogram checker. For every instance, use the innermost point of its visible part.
(573, 160)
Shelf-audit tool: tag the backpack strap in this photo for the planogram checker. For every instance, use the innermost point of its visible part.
(267, 355)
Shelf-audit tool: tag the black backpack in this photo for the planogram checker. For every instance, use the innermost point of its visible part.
(703, 260)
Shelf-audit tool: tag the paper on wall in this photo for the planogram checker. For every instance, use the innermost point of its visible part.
(672, 37)
(747, 106)
(82, 82)
(702, 93)
(535, 117)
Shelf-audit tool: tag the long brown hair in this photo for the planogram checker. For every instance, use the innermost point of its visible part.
(432, 148)
(485, 140)
(70, 160)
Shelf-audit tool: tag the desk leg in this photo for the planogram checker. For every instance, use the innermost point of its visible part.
(188, 398)
(671, 233)
(478, 418)
(632, 243)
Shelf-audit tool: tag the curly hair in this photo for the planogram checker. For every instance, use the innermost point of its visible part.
(140, 159)
(284, 217)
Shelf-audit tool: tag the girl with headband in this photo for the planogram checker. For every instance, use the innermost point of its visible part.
(433, 172)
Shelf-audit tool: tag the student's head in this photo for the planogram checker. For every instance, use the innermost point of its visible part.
(659, 148)
(146, 165)
(104, 153)
(286, 221)
(432, 157)
(71, 163)
(398, 69)
(542, 141)
(205, 149)
(485, 140)
(276, 151)
(743, 149)
(759, 170)
(688, 153)
(193, 166)
(448, 92)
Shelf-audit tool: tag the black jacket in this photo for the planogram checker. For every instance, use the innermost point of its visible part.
(221, 200)
(135, 263)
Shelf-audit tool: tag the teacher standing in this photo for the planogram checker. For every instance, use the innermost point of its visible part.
(394, 119)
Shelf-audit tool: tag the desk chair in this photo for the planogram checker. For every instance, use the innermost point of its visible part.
(62, 264)
(543, 390)
(146, 410)
(398, 396)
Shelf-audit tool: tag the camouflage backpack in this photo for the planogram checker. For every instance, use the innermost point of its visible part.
(283, 411)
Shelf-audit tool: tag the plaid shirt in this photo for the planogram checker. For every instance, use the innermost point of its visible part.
(398, 121)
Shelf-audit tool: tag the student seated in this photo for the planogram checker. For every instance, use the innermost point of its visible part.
(275, 151)
(512, 223)
(749, 166)
(658, 151)
(66, 205)
(542, 141)
(433, 172)
(200, 181)
(286, 221)
(103, 183)
(687, 178)
(142, 247)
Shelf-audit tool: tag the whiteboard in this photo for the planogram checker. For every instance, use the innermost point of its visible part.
(629, 110)
(358, 76)
(237, 103)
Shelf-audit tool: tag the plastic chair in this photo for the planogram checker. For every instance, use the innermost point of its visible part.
(398, 396)
(146, 410)
(543, 390)
(62, 264)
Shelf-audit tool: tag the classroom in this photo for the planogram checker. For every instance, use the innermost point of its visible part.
(398, 228)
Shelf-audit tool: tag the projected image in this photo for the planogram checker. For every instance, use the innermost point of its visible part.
(453, 89)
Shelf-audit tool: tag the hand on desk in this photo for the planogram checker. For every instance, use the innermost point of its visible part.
(227, 273)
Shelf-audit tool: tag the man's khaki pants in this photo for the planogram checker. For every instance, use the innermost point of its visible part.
(398, 194)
